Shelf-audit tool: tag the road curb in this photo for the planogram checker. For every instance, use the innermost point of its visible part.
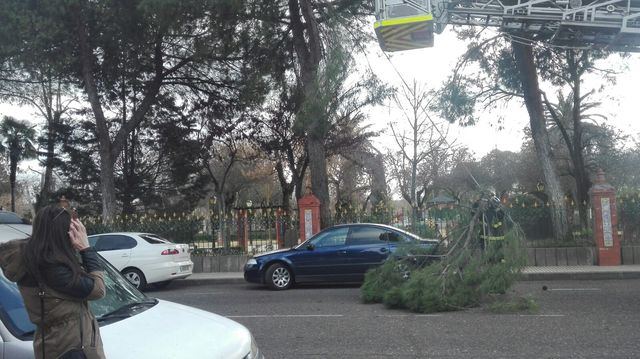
(206, 281)
(525, 277)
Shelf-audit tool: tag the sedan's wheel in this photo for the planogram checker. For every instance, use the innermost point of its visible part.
(404, 270)
(279, 277)
(135, 277)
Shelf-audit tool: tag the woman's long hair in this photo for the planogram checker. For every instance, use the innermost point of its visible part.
(50, 244)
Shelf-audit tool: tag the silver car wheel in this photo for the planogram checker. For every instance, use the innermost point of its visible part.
(281, 277)
(134, 278)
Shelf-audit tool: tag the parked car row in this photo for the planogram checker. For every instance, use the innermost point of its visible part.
(125, 314)
(143, 258)
(133, 261)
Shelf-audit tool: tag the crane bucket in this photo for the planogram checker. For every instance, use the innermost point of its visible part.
(405, 33)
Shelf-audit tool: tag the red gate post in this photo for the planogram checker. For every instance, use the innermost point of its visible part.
(605, 221)
(309, 212)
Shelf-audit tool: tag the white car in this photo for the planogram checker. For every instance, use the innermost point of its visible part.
(144, 258)
(134, 326)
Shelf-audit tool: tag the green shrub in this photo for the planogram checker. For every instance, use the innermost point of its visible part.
(379, 280)
(393, 298)
(460, 280)
(423, 292)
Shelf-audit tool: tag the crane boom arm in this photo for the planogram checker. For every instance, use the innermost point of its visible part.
(612, 24)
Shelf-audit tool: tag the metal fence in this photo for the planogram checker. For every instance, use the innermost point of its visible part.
(241, 231)
(246, 234)
(250, 231)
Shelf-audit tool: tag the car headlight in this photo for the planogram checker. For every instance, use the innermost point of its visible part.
(255, 352)
(252, 262)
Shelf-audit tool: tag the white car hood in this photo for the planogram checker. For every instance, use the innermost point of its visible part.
(170, 330)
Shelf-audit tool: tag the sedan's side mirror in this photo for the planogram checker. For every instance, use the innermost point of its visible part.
(310, 247)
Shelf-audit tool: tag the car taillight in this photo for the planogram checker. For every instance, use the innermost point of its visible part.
(168, 252)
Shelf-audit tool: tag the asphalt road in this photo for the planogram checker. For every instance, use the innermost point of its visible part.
(576, 319)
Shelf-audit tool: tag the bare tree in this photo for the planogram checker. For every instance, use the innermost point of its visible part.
(418, 141)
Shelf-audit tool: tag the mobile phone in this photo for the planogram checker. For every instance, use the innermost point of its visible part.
(74, 213)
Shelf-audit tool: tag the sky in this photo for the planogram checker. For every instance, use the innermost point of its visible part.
(21, 113)
(431, 66)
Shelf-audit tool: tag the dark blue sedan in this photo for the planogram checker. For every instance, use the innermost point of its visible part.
(340, 253)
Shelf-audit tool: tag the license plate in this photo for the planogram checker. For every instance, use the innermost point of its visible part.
(185, 268)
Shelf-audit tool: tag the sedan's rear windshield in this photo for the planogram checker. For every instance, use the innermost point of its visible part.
(155, 239)
(10, 218)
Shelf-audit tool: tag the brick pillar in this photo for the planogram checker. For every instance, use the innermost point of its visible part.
(309, 212)
(605, 221)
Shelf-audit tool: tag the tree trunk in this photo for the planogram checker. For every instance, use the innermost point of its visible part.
(298, 178)
(308, 47)
(107, 184)
(107, 177)
(532, 97)
(86, 58)
(127, 161)
(131, 186)
(298, 189)
(13, 169)
(47, 183)
(378, 180)
(581, 176)
(287, 192)
(319, 182)
(126, 187)
(285, 186)
(414, 160)
(348, 188)
(583, 182)
(222, 220)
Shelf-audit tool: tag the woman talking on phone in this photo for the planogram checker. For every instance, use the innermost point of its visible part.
(57, 273)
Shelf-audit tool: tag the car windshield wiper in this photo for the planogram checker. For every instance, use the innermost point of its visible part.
(126, 310)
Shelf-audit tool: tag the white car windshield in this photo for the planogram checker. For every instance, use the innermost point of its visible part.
(120, 295)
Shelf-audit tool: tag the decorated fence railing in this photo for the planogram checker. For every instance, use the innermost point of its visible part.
(239, 232)
(255, 230)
